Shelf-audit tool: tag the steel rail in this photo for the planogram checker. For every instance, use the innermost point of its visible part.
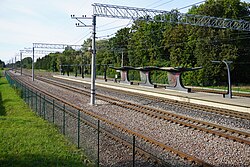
(188, 105)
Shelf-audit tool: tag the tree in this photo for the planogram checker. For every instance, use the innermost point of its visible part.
(2, 64)
(219, 44)
(27, 62)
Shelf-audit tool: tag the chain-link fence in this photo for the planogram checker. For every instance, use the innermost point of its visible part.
(102, 142)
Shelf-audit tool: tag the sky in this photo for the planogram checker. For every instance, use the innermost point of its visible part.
(25, 22)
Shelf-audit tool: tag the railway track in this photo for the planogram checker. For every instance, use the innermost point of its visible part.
(207, 127)
(124, 129)
(187, 105)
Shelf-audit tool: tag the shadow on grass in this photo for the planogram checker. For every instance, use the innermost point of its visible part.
(31, 160)
(2, 108)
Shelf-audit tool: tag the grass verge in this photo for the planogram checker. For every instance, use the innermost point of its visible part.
(27, 140)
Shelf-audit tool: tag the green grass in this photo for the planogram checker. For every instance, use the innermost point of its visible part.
(27, 140)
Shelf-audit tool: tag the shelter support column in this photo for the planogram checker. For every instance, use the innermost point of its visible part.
(145, 79)
(124, 77)
(175, 82)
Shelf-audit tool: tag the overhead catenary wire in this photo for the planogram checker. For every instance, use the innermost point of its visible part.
(153, 3)
(109, 35)
(107, 24)
(163, 3)
(83, 38)
(190, 5)
(113, 28)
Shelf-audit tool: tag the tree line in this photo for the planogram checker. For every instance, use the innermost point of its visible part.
(148, 43)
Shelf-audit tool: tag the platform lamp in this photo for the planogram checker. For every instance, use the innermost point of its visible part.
(229, 88)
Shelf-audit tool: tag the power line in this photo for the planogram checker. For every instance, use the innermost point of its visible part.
(82, 38)
(154, 3)
(116, 27)
(163, 3)
(191, 5)
(106, 36)
(109, 35)
(107, 24)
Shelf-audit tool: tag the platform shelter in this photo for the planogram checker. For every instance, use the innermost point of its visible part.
(174, 76)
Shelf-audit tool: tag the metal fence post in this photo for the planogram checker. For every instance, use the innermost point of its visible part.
(26, 97)
(40, 111)
(63, 119)
(78, 129)
(32, 95)
(98, 143)
(133, 151)
(44, 107)
(25, 94)
(28, 92)
(22, 91)
(29, 95)
(36, 102)
(53, 111)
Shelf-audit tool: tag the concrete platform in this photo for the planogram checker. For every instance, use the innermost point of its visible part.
(241, 104)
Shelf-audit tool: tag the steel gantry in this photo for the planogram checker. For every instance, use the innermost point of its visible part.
(30, 51)
(55, 46)
(50, 46)
(124, 12)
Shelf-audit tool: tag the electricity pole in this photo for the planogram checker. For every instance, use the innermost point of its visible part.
(33, 53)
(12, 64)
(93, 51)
(15, 64)
(21, 65)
